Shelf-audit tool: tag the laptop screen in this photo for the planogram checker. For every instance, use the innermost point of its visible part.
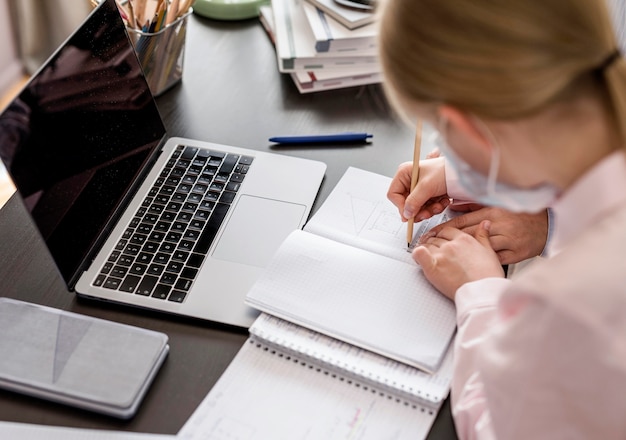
(76, 137)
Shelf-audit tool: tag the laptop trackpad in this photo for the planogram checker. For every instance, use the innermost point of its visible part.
(256, 229)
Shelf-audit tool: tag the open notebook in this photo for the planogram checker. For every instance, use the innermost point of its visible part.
(329, 367)
(130, 215)
(348, 275)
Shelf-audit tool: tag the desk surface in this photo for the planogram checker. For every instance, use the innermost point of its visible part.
(232, 93)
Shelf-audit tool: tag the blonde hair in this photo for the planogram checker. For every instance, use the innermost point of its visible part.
(500, 59)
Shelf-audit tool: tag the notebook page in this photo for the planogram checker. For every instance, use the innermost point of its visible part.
(374, 302)
(357, 212)
(373, 368)
(263, 394)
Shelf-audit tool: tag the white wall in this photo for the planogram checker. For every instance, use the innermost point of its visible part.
(10, 66)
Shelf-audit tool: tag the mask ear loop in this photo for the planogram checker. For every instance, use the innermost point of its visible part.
(441, 127)
(494, 164)
(440, 134)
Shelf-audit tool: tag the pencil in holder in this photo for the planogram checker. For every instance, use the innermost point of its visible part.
(162, 53)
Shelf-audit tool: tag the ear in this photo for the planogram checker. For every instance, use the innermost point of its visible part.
(465, 124)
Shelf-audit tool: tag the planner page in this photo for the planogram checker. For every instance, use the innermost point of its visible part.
(368, 300)
(264, 394)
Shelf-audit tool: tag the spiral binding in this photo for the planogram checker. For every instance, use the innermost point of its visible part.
(290, 356)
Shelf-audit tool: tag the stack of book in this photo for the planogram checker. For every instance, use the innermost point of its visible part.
(322, 44)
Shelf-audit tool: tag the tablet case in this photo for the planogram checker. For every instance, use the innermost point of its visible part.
(90, 363)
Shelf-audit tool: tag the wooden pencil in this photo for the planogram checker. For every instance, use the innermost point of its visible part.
(414, 175)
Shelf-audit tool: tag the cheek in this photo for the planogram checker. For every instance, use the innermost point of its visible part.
(476, 161)
(472, 155)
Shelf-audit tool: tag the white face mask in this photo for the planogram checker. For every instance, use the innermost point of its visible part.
(487, 190)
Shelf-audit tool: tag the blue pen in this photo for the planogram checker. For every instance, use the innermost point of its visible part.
(322, 139)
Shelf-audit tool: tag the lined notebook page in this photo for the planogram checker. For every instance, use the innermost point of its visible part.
(372, 368)
(371, 301)
(267, 395)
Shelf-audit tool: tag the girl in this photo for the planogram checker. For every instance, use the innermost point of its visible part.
(529, 99)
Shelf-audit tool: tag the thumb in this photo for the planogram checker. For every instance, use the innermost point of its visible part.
(413, 204)
(482, 233)
(424, 258)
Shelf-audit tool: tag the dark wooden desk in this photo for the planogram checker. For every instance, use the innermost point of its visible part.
(231, 93)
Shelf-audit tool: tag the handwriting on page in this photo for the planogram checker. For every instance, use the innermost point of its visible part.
(264, 394)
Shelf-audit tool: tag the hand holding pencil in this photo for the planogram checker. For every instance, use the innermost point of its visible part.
(418, 189)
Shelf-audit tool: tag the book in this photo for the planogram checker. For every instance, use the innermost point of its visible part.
(350, 267)
(295, 44)
(266, 17)
(308, 82)
(332, 36)
(322, 386)
(316, 81)
(349, 17)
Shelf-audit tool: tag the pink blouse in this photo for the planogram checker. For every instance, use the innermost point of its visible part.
(544, 355)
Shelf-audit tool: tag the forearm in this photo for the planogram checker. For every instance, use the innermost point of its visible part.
(476, 313)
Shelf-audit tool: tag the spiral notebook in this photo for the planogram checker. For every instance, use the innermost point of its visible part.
(290, 382)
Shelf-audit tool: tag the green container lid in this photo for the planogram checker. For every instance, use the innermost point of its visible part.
(228, 9)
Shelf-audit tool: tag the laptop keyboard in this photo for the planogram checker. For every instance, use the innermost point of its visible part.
(165, 244)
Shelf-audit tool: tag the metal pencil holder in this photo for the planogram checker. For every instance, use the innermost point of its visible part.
(162, 53)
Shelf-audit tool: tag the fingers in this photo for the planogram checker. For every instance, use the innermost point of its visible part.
(432, 207)
(453, 258)
(482, 234)
(433, 153)
(435, 241)
(414, 205)
(470, 219)
(428, 197)
(447, 234)
(463, 222)
(441, 236)
(467, 222)
(400, 186)
(424, 258)
(465, 206)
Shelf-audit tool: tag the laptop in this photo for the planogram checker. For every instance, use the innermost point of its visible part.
(134, 217)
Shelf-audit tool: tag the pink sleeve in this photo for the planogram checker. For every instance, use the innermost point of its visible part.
(476, 310)
(527, 368)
